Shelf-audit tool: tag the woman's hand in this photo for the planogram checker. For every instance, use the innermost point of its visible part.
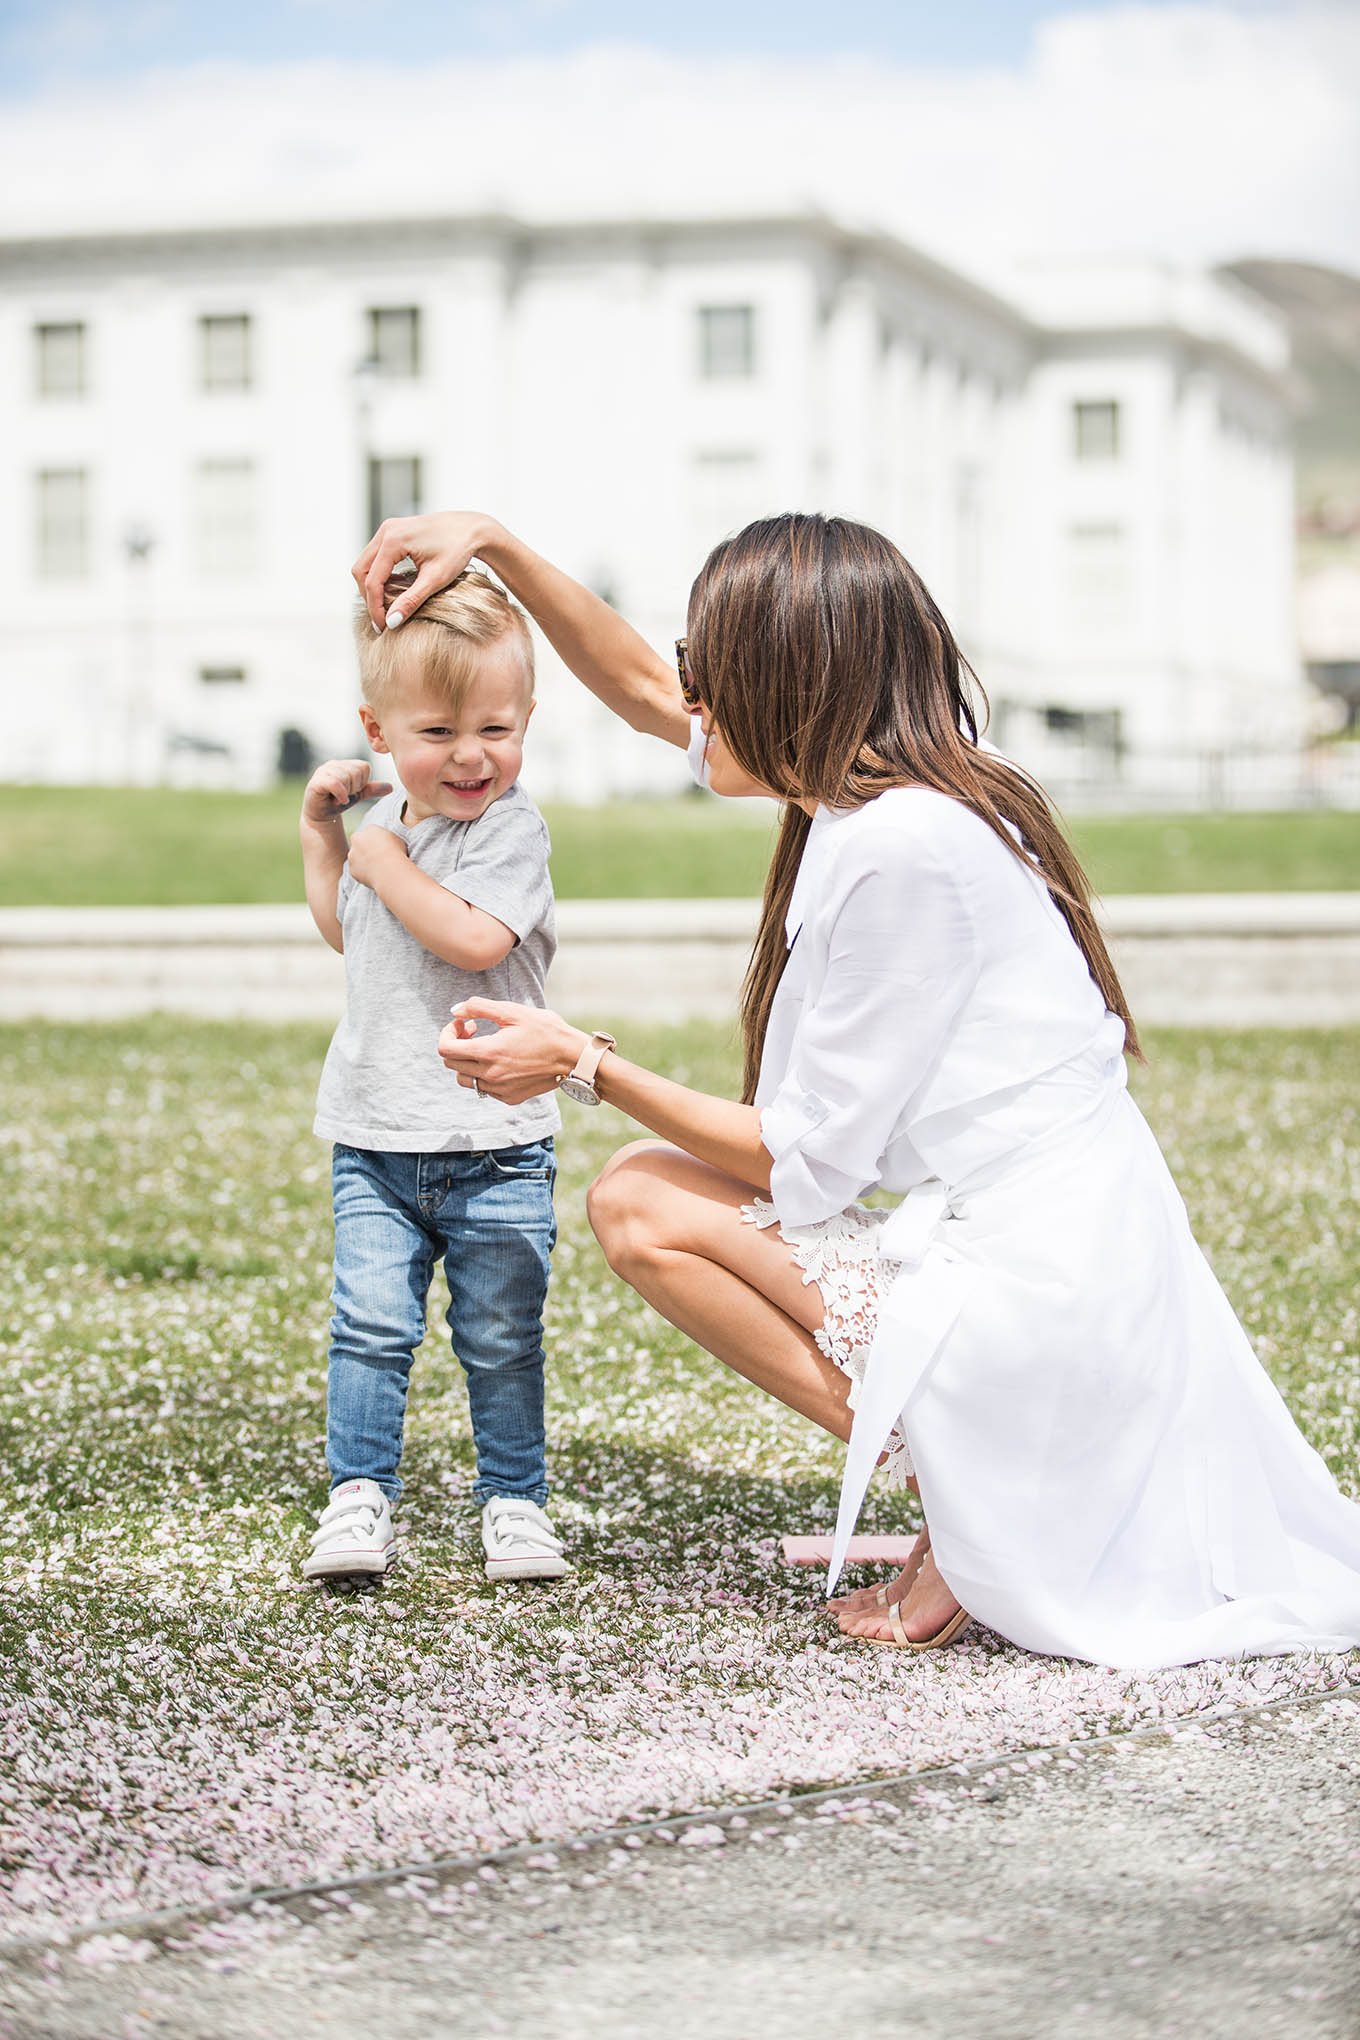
(531, 1049)
(440, 545)
(373, 851)
(526, 1055)
(603, 651)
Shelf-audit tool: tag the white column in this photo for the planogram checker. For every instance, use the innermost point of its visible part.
(853, 372)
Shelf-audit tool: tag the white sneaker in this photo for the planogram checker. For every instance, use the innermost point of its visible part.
(354, 1533)
(520, 1542)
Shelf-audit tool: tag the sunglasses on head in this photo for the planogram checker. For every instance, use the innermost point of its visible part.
(689, 693)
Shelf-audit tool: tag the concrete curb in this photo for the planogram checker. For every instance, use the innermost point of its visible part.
(156, 1923)
(1198, 960)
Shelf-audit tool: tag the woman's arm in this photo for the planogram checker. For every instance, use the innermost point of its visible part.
(602, 650)
(531, 1049)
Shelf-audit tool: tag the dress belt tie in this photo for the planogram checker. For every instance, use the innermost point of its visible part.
(915, 1318)
(908, 1231)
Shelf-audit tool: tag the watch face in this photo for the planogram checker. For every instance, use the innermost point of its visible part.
(579, 1089)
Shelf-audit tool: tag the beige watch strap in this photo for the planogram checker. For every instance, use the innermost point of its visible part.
(591, 1056)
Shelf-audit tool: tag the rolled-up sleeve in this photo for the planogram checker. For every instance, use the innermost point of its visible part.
(901, 960)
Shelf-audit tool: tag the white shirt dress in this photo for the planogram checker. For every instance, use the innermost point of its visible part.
(1107, 1471)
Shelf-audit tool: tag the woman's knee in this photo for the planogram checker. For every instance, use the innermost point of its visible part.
(623, 1202)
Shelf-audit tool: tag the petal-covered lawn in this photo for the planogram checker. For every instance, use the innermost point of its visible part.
(181, 1719)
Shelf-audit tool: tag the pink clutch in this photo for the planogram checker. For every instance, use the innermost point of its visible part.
(817, 1550)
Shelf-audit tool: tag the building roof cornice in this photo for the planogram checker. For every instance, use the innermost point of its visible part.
(522, 240)
(400, 234)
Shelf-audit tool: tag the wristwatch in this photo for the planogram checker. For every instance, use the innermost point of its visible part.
(580, 1085)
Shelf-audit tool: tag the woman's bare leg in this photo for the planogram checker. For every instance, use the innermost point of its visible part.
(672, 1228)
(866, 1600)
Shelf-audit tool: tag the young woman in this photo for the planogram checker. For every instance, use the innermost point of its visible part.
(1031, 1336)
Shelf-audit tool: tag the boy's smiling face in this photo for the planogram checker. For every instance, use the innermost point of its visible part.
(455, 761)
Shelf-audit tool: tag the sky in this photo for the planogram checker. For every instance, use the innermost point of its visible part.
(45, 43)
(988, 132)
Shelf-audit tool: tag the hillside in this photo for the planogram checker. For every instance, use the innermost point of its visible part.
(1322, 308)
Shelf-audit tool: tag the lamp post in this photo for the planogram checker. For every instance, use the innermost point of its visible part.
(139, 544)
(365, 378)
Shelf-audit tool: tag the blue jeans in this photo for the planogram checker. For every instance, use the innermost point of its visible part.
(491, 1218)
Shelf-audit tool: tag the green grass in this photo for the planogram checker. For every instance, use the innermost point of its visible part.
(190, 1719)
(164, 1163)
(104, 846)
(135, 846)
(1313, 850)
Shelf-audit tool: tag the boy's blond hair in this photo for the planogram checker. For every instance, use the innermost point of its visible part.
(439, 646)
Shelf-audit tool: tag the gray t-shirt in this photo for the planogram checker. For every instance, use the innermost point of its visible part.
(383, 1085)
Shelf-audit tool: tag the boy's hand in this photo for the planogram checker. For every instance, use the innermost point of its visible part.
(340, 784)
(371, 852)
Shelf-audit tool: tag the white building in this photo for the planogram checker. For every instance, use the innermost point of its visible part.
(198, 429)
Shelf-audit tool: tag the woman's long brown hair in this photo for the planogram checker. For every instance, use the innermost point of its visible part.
(833, 676)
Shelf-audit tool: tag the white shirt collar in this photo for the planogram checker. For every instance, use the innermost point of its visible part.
(809, 868)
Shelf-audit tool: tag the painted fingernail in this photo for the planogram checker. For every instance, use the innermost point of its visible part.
(395, 619)
(377, 628)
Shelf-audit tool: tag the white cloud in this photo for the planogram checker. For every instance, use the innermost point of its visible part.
(1190, 132)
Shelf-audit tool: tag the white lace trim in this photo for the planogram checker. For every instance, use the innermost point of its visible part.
(840, 1255)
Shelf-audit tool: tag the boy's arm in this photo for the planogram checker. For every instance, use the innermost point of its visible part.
(332, 788)
(324, 850)
(441, 922)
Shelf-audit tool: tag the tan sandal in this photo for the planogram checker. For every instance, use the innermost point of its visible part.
(899, 1640)
(880, 1599)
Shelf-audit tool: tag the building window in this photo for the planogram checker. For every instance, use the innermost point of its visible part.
(60, 360)
(394, 339)
(226, 518)
(222, 676)
(1095, 431)
(63, 524)
(1094, 729)
(224, 344)
(728, 490)
(727, 342)
(1099, 579)
(393, 488)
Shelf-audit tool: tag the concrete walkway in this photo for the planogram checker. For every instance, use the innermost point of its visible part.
(1200, 960)
(1204, 1884)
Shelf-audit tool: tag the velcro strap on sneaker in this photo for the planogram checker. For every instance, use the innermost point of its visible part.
(347, 1514)
(514, 1526)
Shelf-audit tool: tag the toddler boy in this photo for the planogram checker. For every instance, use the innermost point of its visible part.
(442, 895)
